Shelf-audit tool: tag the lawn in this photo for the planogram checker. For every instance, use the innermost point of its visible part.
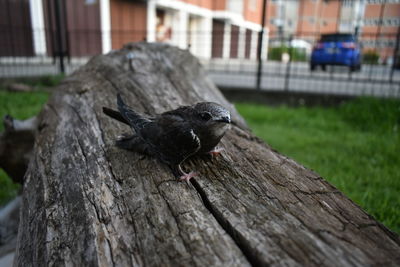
(354, 146)
(22, 106)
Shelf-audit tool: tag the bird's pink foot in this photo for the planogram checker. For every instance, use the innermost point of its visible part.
(187, 176)
(123, 137)
(215, 152)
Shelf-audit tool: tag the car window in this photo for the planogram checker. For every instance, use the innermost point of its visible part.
(337, 38)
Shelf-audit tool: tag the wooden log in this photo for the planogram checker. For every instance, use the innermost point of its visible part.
(89, 203)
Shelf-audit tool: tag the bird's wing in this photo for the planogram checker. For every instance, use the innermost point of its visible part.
(181, 112)
(136, 121)
(172, 137)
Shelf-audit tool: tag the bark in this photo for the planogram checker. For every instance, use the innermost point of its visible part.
(88, 203)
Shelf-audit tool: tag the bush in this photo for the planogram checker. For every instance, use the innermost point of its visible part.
(371, 57)
(275, 53)
(296, 54)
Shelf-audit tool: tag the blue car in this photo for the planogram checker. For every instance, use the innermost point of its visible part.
(336, 49)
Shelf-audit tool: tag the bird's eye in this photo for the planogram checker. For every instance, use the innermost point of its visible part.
(205, 116)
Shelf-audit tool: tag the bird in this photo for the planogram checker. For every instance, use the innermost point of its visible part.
(175, 135)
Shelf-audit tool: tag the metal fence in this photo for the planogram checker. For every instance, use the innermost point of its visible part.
(279, 61)
(288, 68)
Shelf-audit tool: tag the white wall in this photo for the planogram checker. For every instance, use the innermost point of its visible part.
(178, 14)
(105, 20)
(227, 41)
(38, 28)
(201, 27)
(151, 21)
(235, 6)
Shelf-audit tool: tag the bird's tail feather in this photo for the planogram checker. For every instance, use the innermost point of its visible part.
(136, 120)
(115, 115)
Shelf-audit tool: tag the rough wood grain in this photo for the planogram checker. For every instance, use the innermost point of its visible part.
(88, 203)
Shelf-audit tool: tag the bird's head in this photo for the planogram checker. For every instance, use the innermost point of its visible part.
(213, 115)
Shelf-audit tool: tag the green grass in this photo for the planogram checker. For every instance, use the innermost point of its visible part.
(20, 106)
(355, 147)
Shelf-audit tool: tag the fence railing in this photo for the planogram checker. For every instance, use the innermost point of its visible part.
(231, 62)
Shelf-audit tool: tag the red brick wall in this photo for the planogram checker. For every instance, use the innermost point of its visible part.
(253, 12)
(202, 3)
(383, 34)
(317, 17)
(219, 4)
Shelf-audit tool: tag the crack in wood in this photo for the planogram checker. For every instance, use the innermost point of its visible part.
(231, 231)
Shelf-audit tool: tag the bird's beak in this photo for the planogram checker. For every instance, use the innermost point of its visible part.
(224, 119)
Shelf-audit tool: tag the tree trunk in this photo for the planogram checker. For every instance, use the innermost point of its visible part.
(89, 203)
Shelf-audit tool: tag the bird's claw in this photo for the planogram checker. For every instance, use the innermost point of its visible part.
(215, 152)
(187, 176)
(123, 137)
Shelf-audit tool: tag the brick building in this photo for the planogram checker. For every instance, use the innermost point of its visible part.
(220, 28)
(209, 28)
(376, 22)
(304, 18)
(381, 25)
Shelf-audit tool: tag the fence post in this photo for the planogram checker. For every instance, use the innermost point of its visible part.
(260, 45)
(287, 74)
(395, 55)
(60, 46)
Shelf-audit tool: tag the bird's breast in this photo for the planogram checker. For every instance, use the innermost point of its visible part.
(209, 138)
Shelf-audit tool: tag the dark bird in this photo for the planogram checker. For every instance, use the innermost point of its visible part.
(175, 135)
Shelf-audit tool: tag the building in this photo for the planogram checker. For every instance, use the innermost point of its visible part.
(381, 27)
(282, 17)
(375, 22)
(76, 28)
(30, 28)
(351, 17)
(208, 28)
(218, 29)
(304, 19)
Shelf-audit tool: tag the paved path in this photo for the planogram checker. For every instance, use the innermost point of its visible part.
(371, 80)
(7, 260)
(308, 84)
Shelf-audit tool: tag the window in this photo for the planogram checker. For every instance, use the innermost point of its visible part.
(235, 6)
(382, 1)
(252, 5)
(339, 37)
(348, 3)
